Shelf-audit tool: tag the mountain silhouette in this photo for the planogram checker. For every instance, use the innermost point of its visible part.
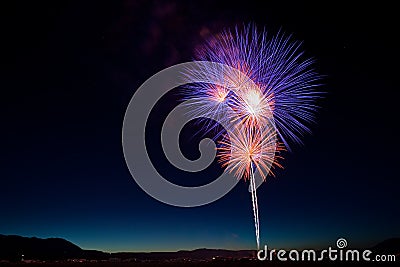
(16, 248)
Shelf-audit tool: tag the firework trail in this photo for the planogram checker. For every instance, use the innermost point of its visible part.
(272, 96)
(246, 150)
(255, 206)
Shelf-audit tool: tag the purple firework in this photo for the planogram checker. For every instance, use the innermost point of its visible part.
(285, 81)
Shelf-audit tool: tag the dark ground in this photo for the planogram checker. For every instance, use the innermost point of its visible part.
(227, 263)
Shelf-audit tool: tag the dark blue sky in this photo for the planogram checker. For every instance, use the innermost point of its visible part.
(69, 71)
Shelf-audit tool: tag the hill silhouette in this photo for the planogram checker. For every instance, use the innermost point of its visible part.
(12, 247)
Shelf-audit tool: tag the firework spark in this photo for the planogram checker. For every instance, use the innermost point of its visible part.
(271, 96)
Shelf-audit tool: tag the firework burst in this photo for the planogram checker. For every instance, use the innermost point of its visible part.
(284, 78)
(249, 149)
(267, 102)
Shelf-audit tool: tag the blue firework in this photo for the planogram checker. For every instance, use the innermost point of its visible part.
(276, 75)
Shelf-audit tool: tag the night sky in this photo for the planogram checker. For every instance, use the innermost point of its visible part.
(69, 70)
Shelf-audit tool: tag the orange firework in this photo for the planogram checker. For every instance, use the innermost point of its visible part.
(247, 149)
